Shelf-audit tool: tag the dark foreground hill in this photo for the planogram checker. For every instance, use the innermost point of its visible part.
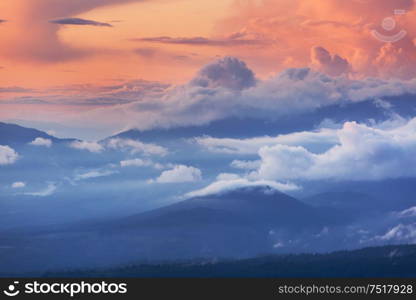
(388, 261)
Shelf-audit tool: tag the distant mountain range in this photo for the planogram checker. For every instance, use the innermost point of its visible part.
(378, 262)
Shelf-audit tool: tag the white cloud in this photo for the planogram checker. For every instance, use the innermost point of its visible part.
(135, 147)
(363, 153)
(93, 147)
(18, 185)
(48, 191)
(315, 141)
(41, 142)
(8, 155)
(401, 233)
(94, 174)
(180, 173)
(227, 176)
(231, 183)
(138, 162)
(291, 92)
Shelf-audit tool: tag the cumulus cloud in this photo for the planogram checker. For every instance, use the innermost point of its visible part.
(48, 191)
(180, 174)
(8, 155)
(41, 142)
(246, 164)
(79, 21)
(93, 147)
(18, 185)
(135, 146)
(228, 183)
(362, 153)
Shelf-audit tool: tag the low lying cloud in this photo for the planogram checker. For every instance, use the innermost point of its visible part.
(362, 153)
(80, 22)
(41, 142)
(94, 174)
(233, 40)
(48, 191)
(246, 164)
(333, 65)
(8, 155)
(179, 174)
(228, 183)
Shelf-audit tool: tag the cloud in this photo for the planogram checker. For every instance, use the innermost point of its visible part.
(48, 191)
(18, 185)
(44, 43)
(137, 162)
(362, 153)
(293, 27)
(179, 174)
(8, 155)
(227, 88)
(93, 147)
(15, 89)
(228, 72)
(315, 141)
(135, 147)
(2, 21)
(230, 41)
(41, 142)
(79, 21)
(94, 174)
(231, 183)
(246, 165)
(333, 65)
(401, 233)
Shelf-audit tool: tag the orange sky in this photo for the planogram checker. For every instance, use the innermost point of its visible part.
(45, 60)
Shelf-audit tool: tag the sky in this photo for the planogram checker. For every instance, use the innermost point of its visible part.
(72, 64)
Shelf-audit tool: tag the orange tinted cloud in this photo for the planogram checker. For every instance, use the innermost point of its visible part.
(341, 27)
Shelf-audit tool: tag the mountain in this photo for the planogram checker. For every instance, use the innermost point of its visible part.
(246, 127)
(377, 262)
(15, 135)
(236, 224)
